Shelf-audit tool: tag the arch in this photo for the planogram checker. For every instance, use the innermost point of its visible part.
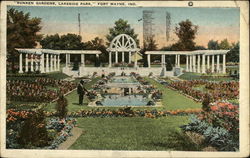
(123, 43)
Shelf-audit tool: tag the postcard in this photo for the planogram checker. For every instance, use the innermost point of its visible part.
(124, 79)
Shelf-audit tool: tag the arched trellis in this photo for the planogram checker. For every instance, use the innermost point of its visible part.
(122, 43)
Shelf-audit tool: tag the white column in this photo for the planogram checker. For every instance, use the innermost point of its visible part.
(20, 63)
(55, 67)
(218, 63)
(58, 62)
(149, 65)
(116, 57)
(190, 64)
(26, 63)
(162, 61)
(69, 60)
(203, 63)
(110, 59)
(179, 58)
(66, 61)
(199, 64)
(194, 63)
(31, 65)
(47, 62)
(36, 63)
(51, 63)
(187, 68)
(224, 64)
(135, 65)
(83, 60)
(208, 62)
(129, 57)
(176, 60)
(212, 63)
(42, 63)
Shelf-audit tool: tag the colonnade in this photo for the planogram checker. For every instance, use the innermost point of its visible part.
(123, 57)
(45, 62)
(200, 63)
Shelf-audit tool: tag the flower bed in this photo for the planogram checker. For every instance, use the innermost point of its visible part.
(37, 90)
(217, 90)
(40, 134)
(219, 125)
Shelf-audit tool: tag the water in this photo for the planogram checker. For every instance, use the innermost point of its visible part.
(129, 100)
(123, 80)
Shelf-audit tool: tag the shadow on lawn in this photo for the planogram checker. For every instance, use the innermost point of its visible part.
(177, 141)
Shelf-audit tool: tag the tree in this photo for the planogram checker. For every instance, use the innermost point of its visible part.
(149, 45)
(51, 42)
(121, 27)
(224, 44)
(71, 42)
(22, 32)
(213, 45)
(234, 54)
(97, 44)
(186, 33)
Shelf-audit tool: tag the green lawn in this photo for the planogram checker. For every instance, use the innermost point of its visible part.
(136, 133)
(197, 76)
(173, 100)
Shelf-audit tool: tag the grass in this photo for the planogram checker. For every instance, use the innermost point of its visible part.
(172, 100)
(135, 133)
(73, 99)
(197, 76)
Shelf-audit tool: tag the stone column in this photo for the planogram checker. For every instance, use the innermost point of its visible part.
(20, 63)
(55, 67)
(187, 68)
(224, 64)
(179, 58)
(203, 63)
(149, 60)
(42, 63)
(69, 60)
(83, 60)
(135, 65)
(190, 64)
(110, 59)
(212, 63)
(66, 61)
(199, 64)
(58, 62)
(26, 63)
(218, 63)
(194, 63)
(162, 61)
(116, 57)
(47, 62)
(129, 58)
(36, 63)
(31, 65)
(208, 62)
(176, 60)
(123, 57)
(51, 63)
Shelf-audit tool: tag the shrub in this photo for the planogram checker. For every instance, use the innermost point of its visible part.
(206, 102)
(33, 132)
(61, 107)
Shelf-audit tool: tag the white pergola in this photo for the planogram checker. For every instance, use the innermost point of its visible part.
(193, 65)
(122, 43)
(48, 60)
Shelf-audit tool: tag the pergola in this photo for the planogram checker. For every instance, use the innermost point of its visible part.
(48, 60)
(193, 65)
(122, 43)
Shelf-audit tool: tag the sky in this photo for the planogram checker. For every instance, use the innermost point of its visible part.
(213, 23)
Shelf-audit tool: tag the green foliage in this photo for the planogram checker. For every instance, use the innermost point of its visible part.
(186, 33)
(122, 27)
(61, 107)
(224, 44)
(22, 32)
(206, 102)
(33, 131)
(234, 54)
(213, 45)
